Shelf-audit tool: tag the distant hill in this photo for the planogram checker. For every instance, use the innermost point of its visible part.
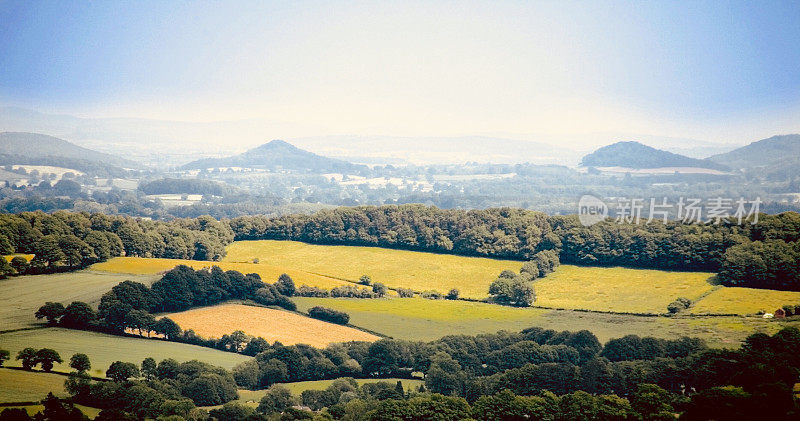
(637, 155)
(278, 155)
(776, 151)
(40, 149)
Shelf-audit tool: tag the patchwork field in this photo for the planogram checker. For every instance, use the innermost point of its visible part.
(269, 273)
(395, 268)
(744, 301)
(273, 325)
(104, 349)
(420, 319)
(618, 289)
(21, 296)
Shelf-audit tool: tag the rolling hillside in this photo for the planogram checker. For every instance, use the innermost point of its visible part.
(278, 155)
(637, 155)
(775, 151)
(38, 148)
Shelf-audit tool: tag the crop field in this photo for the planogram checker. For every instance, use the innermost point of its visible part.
(618, 289)
(27, 257)
(273, 325)
(420, 319)
(395, 268)
(735, 300)
(104, 349)
(21, 296)
(269, 273)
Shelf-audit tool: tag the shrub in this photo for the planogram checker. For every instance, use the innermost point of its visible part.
(329, 315)
(379, 289)
(307, 291)
(364, 280)
(432, 295)
(678, 305)
(351, 291)
(405, 292)
(452, 294)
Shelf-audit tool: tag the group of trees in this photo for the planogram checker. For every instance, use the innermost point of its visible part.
(329, 315)
(70, 240)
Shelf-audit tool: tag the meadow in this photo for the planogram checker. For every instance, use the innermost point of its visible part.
(737, 300)
(269, 273)
(104, 349)
(271, 324)
(421, 319)
(21, 296)
(37, 385)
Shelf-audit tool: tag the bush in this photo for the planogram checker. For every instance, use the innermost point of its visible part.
(351, 291)
(405, 292)
(364, 280)
(678, 305)
(329, 315)
(453, 294)
(432, 295)
(379, 289)
(307, 291)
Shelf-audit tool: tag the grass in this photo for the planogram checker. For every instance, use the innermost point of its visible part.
(273, 325)
(736, 300)
(90, 412)
(104, 349)
(269, 273)
(21, 296)
(618, 289)
(36, 385)
(395, 268)
(420, 319)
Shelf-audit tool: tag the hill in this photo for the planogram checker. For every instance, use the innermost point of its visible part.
(43, 148)
(278, 155)
(776, 151)
(637, 155)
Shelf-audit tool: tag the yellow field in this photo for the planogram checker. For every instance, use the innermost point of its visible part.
(618, 289)
(268, 273)
(272, 325)
(27, 257)
(394, 268)
(37, 385)
(735, 300)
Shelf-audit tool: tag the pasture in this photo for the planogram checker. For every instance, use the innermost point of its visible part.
(421, 319)
(21, 296)
(271, 324)
(736, 300)
(37, 385)
(104, 349)
(269, 273)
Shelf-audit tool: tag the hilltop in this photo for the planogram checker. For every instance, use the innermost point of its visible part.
(637, 155)
(278, 155)
(771, 152)
(40, 149)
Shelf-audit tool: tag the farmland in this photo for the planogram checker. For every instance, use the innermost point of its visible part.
(21, 296)
(744, 301)
(37, 385)
(273, 325)
(420, 319)
(104, 349)
(268, 273)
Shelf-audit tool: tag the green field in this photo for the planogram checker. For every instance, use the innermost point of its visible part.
(37, 385)
(104, 349)
(21, 296)
(744, 301)
(420, 319)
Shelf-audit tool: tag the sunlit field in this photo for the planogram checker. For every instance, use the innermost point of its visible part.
(37, 385)
(421, 319)
(735, 300)
(104, 349)
(268, 272)
(618, 289)
(273, 325)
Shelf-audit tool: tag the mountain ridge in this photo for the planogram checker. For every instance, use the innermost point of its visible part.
(632, 154)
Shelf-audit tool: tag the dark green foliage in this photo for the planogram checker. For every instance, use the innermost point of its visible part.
(50, 311)
(379, 289)
(512, 289)
(542, 263)
(365, 280)
(405, 292)
(28, 358)
(78, 315)
(80, 362)
(47, 357)
(5, 355)
(20, 265)
(277, 399)
(14, 414)
(120, 371)
(452, 294)
(285, 285)
(351, 291)
(679, 304)
(232, 411)
(329, 315)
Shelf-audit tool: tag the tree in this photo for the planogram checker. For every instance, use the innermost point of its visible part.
(510, 288)
(120, 371)
(80, 362)
(285, 285)
(653, 403)
(452, 294)
(4, 356)
(365, 280)
(445, 375)
(167, 369)
(167, 327)
(247, 374)
(140, 320)
(28, 357)
(379, 289)
(276, 400)
(20, 265)
(232, 411)
(149, 368)
(5, 267)
(46, 357)
(78, 315)
(50, 311)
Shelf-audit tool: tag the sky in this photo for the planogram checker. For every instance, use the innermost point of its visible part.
(718, 71)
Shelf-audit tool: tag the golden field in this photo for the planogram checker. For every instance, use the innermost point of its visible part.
(736, 300)
(268, 273)
(270, 324)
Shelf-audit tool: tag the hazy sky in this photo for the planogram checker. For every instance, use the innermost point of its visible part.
(720, 71)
